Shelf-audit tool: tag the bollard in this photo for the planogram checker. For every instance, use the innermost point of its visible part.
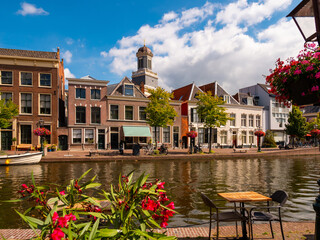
(316, 207)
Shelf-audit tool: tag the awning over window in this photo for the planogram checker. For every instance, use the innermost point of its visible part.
(136, 131)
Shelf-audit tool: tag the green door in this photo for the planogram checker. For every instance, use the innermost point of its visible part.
(6, 140)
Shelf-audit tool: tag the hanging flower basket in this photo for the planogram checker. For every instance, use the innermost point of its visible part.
(315, 132)
(298, 79)
(259, 133)
(192, 134)
(41, 132)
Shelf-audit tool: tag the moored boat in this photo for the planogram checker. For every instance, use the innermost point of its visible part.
(23, 158)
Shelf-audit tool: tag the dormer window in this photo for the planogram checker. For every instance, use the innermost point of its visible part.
(249, 101)
(128, 90)
(226, 98)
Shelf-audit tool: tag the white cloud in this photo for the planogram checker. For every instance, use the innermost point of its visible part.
(104, 54)
(69, 41)
(68, 74)
(31, 9)
(67, 55)
(218, 50)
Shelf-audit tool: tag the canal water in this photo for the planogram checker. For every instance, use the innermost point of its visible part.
(184, 179)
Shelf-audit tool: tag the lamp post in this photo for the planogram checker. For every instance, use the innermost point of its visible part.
(41, 125)
(307, 18)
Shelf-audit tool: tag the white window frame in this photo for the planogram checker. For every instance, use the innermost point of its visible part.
(233, 121)
(85, 135)
(258, 119)
(251, 120)
(80, 135)
(20, 105)
(125, 117)
(124, 90)
(6, 84)
(20, 84)
(39, 81)
(243, 120)
(163, 134)
(139, 113)
(39, 104)
(110, 111)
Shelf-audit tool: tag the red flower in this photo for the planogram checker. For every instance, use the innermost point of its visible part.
(259, 133)
(57, 234)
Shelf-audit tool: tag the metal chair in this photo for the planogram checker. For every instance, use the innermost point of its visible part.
(279, 197)
(218, 216)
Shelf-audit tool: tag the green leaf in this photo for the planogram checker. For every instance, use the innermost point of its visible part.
(86, 227)
(70, 236)
(93, 185)
(94, 229)
(34, 220)
(83, 175)
(108, 233)
(30, 224)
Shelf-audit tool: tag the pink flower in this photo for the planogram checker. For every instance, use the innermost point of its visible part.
(309, 68)
(55, 217)
(317, 75)
(62, 193)
(170, 205)
(70, 217)
(57, 234)
(297, 72)
(24, 186)
(160, 185)
(303, 94)
(315, 88)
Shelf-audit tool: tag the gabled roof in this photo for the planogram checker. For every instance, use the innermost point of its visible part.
(114, 87)
(216, 89)
(27, 53)
(242, 98)
(186, 93)
(265, 87)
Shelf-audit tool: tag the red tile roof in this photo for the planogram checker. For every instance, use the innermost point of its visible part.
(182, 93)
(209, 87)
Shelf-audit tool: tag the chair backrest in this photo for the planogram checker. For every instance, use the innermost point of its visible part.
(207, 201)
(280, 197)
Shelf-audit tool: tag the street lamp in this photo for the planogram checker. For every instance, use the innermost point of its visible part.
(41, 125)
(307, 18)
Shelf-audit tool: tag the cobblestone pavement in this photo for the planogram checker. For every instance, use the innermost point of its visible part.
(293, 230)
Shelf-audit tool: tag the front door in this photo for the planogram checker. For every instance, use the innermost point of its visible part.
(63, 142)
(114, 140)
(184, 142)
(6, 140)
(101, 141)
(176, 139)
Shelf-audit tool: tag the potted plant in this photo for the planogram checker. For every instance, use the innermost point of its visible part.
(259, 134)
(53, 147)
(192, 135)
(297, 79)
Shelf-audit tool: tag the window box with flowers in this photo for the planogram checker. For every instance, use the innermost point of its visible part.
(298, 79)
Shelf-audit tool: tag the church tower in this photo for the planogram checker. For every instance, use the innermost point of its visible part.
(144, 77)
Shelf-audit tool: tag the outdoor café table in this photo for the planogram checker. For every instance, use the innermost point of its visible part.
(243, 197)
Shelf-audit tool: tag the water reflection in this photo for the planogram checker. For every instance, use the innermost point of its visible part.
(184, 180)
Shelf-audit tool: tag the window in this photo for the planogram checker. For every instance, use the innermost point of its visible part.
(45, 104)
(6, 77)
(154, 134)
(25, 134)
(95, 115)
(128, 90)
(26, 78)
(81, 93)
(45, 79)
(76, 136)
(140, 63)
(114, 112)
(166, 134)
(233, 121)
(249, 100)
(243, 120)
(244, 137)
(223, 137)
(89, 136)
(7, 96)
(142, 113)
(226, 98)
(95, 94)
(194, 115)
(258, 121)
(149, 64)
(48, 137)
(26, 103)
(129, 112)
(80, 114)
(251, 137)
(201, 135)
(250, 120)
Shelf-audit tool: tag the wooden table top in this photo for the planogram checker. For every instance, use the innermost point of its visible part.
(244, 197)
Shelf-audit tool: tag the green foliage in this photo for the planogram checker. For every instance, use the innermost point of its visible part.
(210, 109)
(268, 141)
(315, 124)
(297, 125)
(129, 211)
(8, 110)
(159, 111)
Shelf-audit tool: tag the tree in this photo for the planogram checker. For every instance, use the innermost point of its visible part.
(315, 124)
(268, 141)
(297, 125)
(159, 112)
(7, 111)
(210, 110)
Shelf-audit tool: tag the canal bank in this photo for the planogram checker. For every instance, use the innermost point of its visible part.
(177, 154)
(292, 230)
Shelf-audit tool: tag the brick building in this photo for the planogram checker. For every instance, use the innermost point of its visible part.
(34, 80)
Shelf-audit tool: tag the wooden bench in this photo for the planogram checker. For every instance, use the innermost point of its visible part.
(240, 150)
(24, 147)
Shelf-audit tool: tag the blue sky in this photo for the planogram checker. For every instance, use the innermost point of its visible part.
(234, 42)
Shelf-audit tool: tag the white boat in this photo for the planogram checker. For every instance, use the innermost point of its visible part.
(23, 158)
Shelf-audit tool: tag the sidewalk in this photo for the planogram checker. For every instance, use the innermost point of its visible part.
(292, 230)
(224, 153)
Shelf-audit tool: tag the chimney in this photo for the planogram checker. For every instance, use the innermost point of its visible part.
(142, 87)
